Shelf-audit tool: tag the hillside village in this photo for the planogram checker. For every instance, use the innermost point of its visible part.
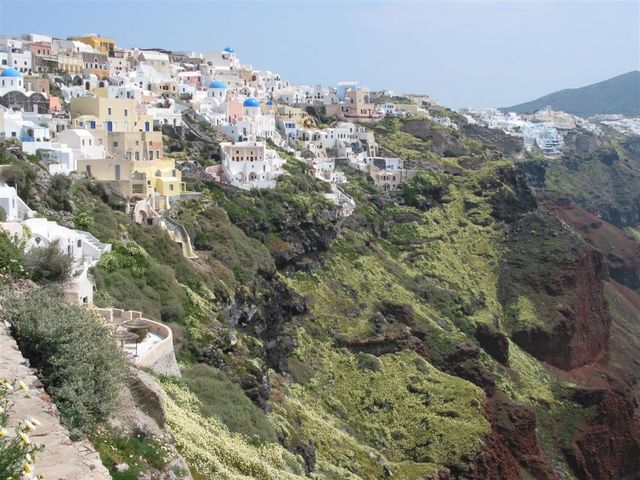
(86, 108)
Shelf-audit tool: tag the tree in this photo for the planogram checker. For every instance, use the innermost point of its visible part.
(47, 264)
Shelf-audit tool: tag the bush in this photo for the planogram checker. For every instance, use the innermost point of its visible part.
(130, 276)
(79, 364)
(10, 259)
(224, 399)
(48, 264)
(83, 220)
(140, 453)
(58, 197)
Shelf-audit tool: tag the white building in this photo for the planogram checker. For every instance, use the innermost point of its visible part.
(253, 124)
(31, 135)
(73, 145)
(82, 247)
(11, 80)
(250, 165)
(14, 54)
(158, 60)
(14, 208)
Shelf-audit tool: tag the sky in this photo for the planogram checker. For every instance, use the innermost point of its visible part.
(461, 52)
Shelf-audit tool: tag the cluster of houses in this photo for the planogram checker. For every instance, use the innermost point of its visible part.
(543, 131)
(117, 101)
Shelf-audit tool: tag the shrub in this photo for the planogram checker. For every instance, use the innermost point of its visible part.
(140, 453)
(58, 193)
(83, 220)
(135, 281)
(47, 264)
(10, 259)
(224, 399)
(79, 364)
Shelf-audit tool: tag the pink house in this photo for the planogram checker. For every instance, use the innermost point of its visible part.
(234, 110)
(54, 104)
(191, 78)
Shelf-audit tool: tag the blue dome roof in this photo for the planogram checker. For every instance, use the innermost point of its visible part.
(229, 49)
(217, 84)
(10, 72)
(251, 102)
(269, 103)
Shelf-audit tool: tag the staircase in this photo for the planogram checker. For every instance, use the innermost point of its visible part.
(179, 234)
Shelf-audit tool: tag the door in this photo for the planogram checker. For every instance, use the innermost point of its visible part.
(109, 126)
(117, 172)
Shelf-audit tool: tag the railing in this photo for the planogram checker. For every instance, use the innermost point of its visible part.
(158, 351)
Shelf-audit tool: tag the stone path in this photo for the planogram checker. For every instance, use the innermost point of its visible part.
(61, 459)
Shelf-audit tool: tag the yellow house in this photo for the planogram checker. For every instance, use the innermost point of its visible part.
(135, 163)
(162, 177)
(118, 173)
(102, 44)
(102, 113)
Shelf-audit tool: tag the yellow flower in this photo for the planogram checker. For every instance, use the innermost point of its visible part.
(25, 438)
(28, 458)
(22, 386)
(27, 468)
(3, 432)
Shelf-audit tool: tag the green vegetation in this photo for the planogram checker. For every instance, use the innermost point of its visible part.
(10, 259)
(603, 179)
(20, 174)
(69, 347)
(132, 279)
(47, 264)
(224, 399)
(140, 454)
(17, 453)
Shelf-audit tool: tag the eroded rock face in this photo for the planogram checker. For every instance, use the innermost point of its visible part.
(493, 342)
(580, 334)
(621, 253)
(608, 445)
(516, 425)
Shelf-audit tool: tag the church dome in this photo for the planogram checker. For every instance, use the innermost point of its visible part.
(10, 72)
(229, 50)
(251, 102)
(217, 84)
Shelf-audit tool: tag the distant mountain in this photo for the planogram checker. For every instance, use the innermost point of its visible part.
(619, 94)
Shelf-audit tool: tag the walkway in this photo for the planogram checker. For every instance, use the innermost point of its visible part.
(61, 458)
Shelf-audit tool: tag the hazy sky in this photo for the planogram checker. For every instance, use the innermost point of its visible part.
(462, 53)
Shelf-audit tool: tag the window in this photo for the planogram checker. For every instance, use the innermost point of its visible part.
(109, 111)
(157, 154)
(79, 243)
(126, 112)
(171, 188)
(137, 155)
(115, 144)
